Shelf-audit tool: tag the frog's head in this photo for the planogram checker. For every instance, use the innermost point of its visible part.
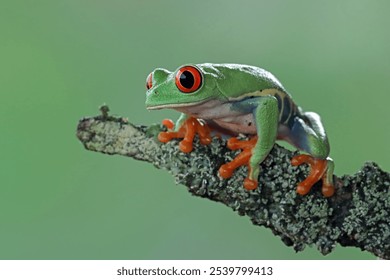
(187, 86)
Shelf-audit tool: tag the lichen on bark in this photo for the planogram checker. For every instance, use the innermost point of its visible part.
(357, 215)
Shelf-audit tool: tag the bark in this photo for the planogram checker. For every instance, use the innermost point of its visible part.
(357, 215)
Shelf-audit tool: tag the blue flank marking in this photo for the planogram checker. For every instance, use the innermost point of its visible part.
(246, 105)
(286, 110)
(298, 135)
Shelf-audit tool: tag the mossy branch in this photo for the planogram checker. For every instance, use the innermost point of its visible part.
(357, 215)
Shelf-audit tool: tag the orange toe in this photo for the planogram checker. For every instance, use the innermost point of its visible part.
(225, 171)
(167, 136)
(303, 189)
(168, 123)
(250, 184)
(205, 140)
(327, 190)
(203, 131)
(300, 159)
(232, 143)
(185, 146)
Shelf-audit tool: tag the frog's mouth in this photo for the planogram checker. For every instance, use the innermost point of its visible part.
(204, 110)
(178, 106)
(175, 105)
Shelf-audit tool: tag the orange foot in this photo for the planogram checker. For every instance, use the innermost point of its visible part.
(227, 169)
(187, 132)
(318, 169)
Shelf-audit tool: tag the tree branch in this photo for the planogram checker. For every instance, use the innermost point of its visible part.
(357, 215)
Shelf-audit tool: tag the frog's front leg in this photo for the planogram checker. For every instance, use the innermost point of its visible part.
(186, 128)
(265, 112)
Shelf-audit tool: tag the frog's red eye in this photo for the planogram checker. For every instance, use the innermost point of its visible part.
(188, 79)
(149, 81)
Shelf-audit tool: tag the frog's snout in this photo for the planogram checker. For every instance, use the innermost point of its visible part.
(150, 100)
(149, 93)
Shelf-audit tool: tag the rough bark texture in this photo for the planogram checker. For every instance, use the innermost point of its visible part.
(357, 215)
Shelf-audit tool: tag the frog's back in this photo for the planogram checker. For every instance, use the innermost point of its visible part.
(235, 80)
(238, 82)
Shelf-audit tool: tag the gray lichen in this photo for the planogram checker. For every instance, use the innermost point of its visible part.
(357, 215)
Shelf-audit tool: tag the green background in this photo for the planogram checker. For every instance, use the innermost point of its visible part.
(60, 60)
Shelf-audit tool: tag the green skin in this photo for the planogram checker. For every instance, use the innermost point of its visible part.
(237, 98)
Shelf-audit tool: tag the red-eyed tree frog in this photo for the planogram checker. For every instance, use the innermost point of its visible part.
(234, 99)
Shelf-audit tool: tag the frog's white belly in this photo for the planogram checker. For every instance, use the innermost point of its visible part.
(221, 114)
(240, 124)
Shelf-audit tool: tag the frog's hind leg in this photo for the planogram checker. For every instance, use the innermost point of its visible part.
(307, 134)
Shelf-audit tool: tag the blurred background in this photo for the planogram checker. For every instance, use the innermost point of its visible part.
(60, 60)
